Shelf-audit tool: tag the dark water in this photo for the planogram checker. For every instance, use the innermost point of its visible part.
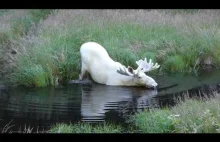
(42, 107)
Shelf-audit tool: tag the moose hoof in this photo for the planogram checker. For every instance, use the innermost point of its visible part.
(80, 77)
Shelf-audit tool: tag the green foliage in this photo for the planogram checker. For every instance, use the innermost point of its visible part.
(148, 55)
(153, 121)
(61, 128)
(40, 14)
(2, 11)
(197, 116)
(30, 76)
(107, 128)
(205, 123)
(4, 38)
(189, 116)
(85, 128)
(20, 26)
(174, 63)
(184, 11)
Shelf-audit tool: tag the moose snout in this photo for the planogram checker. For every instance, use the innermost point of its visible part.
(152, 87)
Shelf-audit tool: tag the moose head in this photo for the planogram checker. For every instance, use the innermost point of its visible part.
(139, 76)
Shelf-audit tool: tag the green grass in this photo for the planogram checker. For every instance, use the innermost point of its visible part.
(20, 25)
(189, 116)
(85, 128)
(32, 76)
(183, 11)
(153, 121)
(174, 63)
(15, 24)
(200, 116)
(3, 11)
(172, 41)
(60, 51)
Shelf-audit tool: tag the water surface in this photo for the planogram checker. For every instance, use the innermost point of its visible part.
(42, 107)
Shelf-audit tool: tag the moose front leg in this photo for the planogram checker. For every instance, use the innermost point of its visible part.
(83, 73)
(83, 76)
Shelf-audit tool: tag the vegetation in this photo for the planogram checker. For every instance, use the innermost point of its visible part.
(47, 52)
(15, 24)
(85, 128)
(189, 116)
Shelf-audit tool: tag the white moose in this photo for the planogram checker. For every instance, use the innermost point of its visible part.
(104, 70)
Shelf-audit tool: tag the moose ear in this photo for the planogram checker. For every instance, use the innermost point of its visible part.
(131, 70)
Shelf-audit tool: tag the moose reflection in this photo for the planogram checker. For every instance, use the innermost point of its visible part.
(98, 99)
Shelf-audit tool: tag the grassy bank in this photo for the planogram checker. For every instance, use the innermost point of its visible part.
(179, 40)
(192, 115)
(15, 24)
(189, 116)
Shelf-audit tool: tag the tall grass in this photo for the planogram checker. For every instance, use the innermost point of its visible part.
(8, 128)
(174, 39)
(14, 24)
(188, 116)
(85, 128)
(153, 121)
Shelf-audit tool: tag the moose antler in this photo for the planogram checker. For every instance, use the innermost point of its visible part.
(126, 71)
(146, 66)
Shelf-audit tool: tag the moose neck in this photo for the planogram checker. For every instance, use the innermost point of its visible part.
(127, 80)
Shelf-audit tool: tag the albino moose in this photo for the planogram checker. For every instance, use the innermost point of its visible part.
(97, 62)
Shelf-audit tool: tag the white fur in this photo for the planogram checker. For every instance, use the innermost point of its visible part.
(103, 70)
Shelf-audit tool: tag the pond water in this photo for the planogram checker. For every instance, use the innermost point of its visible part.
(40, 108)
